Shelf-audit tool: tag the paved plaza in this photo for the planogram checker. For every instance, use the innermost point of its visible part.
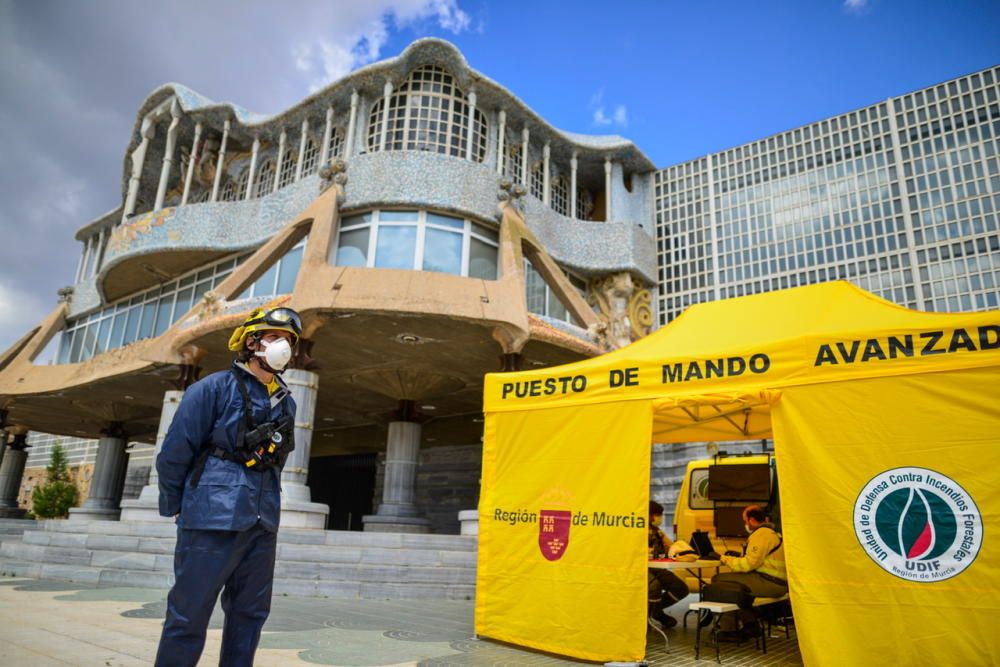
(46, 623)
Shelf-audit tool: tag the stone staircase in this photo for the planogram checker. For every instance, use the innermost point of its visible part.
(336, 564)
(12, 529)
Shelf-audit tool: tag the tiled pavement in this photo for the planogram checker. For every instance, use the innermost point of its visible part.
(54, 623)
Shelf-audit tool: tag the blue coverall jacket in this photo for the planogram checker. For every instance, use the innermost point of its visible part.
(229, 496)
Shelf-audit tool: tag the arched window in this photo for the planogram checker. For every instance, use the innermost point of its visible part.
(241, 184)
(427, 113)
(230, 191)
(265, 180)
(513, 166)
(538, 181)
(287, 172)
(559, 197)
(309, 157)
(336, 148)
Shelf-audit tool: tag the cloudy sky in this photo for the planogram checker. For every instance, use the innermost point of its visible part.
(681, 79)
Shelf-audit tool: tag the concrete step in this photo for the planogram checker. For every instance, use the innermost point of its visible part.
(337, 564)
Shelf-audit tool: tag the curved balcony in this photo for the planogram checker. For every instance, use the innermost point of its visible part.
(154, 247)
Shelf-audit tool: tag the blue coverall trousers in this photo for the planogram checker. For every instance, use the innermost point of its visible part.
(241, 565)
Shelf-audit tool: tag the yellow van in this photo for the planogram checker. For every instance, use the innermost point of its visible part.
(714, 492)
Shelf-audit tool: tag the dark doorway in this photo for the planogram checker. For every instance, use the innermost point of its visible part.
(346, 484)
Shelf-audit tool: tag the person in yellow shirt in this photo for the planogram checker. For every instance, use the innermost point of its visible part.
(762, 566)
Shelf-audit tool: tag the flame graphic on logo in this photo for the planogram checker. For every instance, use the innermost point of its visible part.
(916, 523)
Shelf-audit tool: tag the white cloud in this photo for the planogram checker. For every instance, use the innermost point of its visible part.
(325, 59)
(601, 118)
(855, 6)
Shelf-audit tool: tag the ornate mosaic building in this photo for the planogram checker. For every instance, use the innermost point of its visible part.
(431, 228)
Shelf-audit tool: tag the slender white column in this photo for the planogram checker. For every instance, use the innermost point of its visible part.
(302, 148)
(253, 168)
(572, 186)
(99, 253)
(220, 163)
(501, 135)
(138, 160)
(351, 123)
(607, 189)
(79, 264)
(168, 154)
(281, 159)
(525, 176)
(398, 511)
(297, 508)
(386, 94)
(146, 506)
(546, 177)
(192, 159)
(324, 154)
(472, 119)
(86, 258)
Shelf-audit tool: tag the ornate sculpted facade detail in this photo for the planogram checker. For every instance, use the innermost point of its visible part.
(510, 192)
(625, 307)
(333, 173)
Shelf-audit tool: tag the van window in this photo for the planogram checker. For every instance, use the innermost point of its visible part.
(699, 490)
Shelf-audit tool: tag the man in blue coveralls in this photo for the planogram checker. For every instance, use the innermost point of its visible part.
(220, 476)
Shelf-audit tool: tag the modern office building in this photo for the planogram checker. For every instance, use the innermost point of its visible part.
(372, 206)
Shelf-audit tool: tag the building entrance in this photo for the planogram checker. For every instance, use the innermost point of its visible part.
(347, 485)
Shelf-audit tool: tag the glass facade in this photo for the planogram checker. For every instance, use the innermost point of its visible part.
(150, 313)
(900, 198)
(540, 298)
(417, 240)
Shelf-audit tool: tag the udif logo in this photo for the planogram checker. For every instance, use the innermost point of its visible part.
(918, 524)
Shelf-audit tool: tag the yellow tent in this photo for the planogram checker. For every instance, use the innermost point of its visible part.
(886, 425)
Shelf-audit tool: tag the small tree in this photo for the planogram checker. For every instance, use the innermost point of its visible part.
(53, 499)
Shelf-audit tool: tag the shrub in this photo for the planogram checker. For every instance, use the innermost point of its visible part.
(53, 499)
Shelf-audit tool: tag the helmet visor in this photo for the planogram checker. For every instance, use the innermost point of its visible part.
(282, 318)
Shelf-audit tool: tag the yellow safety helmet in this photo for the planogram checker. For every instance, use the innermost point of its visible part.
(264, 319)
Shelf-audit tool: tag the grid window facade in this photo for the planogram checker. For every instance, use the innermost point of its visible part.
(514, 167)
(540, 298)
(427, 113)
(286, 175)
(310, 158)
(559, 197)
(900, 198)
(538, 181)
(335, 149)
(265, 180)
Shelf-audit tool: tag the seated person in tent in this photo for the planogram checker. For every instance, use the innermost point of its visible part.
(665, 588)
(762, 567)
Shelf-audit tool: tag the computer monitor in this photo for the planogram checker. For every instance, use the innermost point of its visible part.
(739, 481)
(729, 522)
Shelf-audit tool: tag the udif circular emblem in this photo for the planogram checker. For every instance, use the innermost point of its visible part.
(918, 524)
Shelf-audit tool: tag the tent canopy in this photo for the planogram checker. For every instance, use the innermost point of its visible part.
(714, 371)
(884, 420)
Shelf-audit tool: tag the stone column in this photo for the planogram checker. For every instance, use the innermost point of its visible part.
(147, 506)
(220, 161)
(324, 150)
(192, 160)
(138, 160)
(398, 511)
(546, 175)
(303, 137)
(297, 508)
(472, 123)
(281, 160)
(501, 135)
(525, 174)
(109, 477)
(386, 96)
(168, 154)
(11, 472)
(351, 123)
(252, 174)
(607, 189)
(573, 163)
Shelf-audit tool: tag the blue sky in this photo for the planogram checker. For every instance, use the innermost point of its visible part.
(697, 77)
(681, 79)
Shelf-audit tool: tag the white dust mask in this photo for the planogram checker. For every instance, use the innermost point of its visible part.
(276, 353)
